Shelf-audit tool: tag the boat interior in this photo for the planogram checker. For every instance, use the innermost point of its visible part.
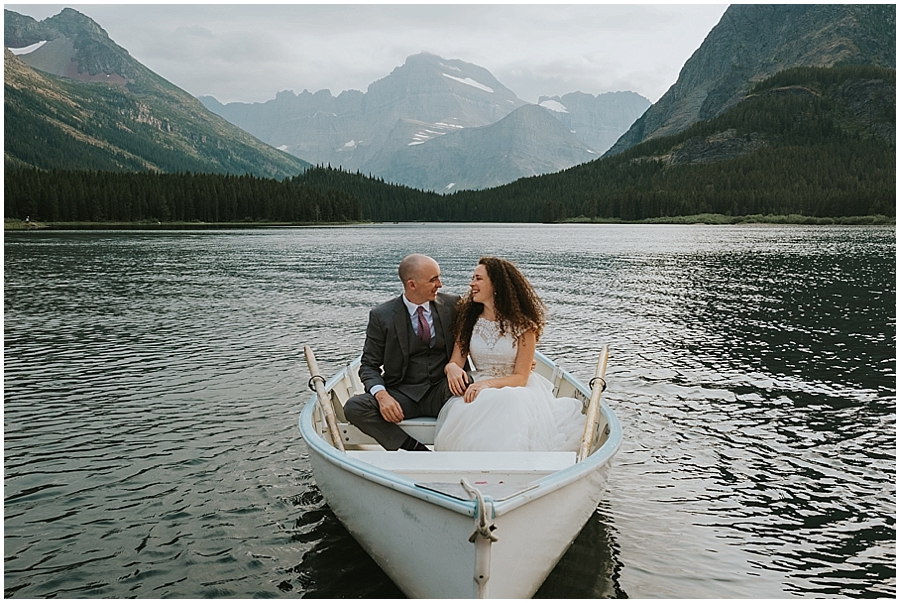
(502, 474)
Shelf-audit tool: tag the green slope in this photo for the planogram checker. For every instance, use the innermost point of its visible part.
(76, 119)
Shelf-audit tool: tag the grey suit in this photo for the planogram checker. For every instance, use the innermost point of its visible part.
(410, 370)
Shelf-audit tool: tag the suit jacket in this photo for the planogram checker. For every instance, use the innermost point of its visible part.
(385, 354)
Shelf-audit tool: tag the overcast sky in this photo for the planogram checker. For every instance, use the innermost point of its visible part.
(248, 53)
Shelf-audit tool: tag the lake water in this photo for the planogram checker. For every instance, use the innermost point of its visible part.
(153, 380)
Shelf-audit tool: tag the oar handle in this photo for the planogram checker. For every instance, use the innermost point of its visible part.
(598, 384)
(318, 383)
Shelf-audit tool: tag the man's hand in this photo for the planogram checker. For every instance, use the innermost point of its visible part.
(457, 379)
(390, 409)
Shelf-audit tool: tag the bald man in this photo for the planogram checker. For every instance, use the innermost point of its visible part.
(408, 344)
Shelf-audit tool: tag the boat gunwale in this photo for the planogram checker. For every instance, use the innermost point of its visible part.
(545, 485)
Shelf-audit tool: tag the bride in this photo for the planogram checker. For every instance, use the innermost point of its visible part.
(505, 407)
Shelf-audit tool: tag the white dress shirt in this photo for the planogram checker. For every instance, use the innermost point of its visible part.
(413, 308)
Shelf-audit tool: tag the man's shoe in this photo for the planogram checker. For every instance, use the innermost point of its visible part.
(413, 445)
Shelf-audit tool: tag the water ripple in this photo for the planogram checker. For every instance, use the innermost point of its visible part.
(152, 383)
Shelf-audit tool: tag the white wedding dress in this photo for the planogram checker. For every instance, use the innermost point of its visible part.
(508, 418)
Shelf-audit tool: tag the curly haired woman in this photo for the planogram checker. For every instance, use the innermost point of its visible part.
(505, 406)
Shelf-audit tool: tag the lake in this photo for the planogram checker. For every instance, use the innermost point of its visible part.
(153, 381)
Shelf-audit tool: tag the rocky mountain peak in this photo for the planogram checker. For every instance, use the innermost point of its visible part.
(429, 88)
(21, 31)
(453, 72)
(753, 42)
(72, 45)
(72, 23)
(411, 126)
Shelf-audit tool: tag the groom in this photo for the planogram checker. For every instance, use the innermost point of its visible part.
(408, 344)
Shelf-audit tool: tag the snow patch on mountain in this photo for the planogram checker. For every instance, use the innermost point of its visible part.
(470, 82)
(554, 106)
(27, 49)
(422, 137)
(427, 134)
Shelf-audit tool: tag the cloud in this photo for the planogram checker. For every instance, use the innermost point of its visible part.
(247, 53)
(194, 31)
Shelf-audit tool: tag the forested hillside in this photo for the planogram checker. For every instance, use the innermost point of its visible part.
(81, 102)
(70, 196)
(380, 201)
(814, 141)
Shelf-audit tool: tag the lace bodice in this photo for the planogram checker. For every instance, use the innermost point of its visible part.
(494, 355)
(507, 418)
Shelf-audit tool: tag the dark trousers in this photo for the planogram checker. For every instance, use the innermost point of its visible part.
(362, 411)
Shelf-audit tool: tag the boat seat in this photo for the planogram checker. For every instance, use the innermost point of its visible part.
(466, 463)
(421, 428)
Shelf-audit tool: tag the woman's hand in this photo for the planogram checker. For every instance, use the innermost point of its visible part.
(457, 379)
(475, 389)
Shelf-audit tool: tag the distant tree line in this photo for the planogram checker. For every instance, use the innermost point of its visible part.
(90, 196)
(380, 200)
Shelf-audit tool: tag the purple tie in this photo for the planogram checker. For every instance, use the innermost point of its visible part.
(424, 329)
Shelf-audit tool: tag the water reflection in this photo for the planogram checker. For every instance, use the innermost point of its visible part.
(335, 566)
(590, 569)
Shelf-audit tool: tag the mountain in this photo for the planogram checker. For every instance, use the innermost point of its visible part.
(426, 99)
(809, 144)
(348, 130)
(527, 142)
(597, 121)
(753, 42)
(74, 99)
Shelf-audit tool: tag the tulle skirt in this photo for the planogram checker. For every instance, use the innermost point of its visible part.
(511, 419)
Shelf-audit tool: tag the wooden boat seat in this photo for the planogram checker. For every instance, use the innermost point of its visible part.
(480, 468)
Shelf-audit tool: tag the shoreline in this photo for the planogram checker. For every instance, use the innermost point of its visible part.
(14, 224)
(11, 224)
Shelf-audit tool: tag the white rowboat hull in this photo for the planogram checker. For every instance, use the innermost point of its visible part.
(421, 537)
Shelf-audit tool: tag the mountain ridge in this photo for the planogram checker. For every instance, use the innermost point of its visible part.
(753, 42)
(527, 142)
(98, 108)
(424, 99)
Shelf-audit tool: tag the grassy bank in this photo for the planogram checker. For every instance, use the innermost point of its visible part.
(754, 219)
(12, 224)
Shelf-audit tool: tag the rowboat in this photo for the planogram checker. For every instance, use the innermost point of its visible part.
(459, 524)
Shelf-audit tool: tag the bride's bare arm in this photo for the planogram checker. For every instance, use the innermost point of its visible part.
(457, 378)
(525, 347)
